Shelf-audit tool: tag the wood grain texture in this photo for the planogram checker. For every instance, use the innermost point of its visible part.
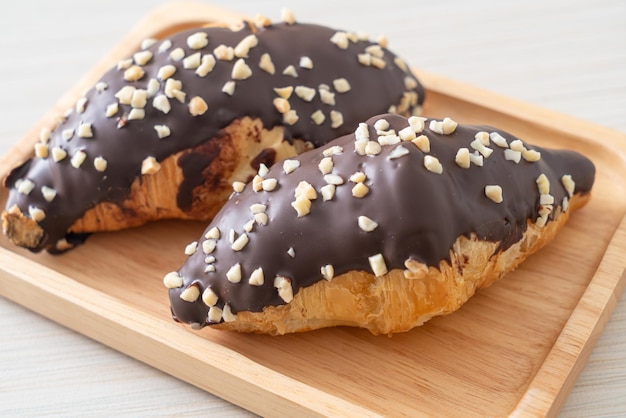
(542, 18)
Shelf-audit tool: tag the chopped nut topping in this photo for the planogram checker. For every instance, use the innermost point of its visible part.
(78, 158)
(285, 290)
(190, 294)
(166, 71)
(335, 179)
(238, 186)
(327, 97)
(290, 117)
(304, 189)
(41, 150)
(161, 103)
(257, 208)
(282, 105)
(191, 248)
(224, 53)
(124, 64)
(80, 105)
(241, 70)
(25, 186)
(318, 117)
(410, 83)
(407, 134)
(422, 142)
(512, 155)
(417, 123)
(165, 45)
(173, 89)
(229, 88)
(261, 218)
(257, 185)
(172, 280)
(476, 159)
(241, 241)
(381, 125)
(336, 119)
(249, 226)
(197, 106)
(198, 40)
(134, 73)
(100, 164)
(244, 46)
(206, 65)
(150, 166)
(291, 252)
(290, 165)
(287, 16)
(364, 59)
(257, 278)
(388, 139)
(67, 134)
(227, 314)
(358, 177)
(290, 70)
(328, 192)
(302, 205)
(478, 146)
(147, 43)
(494, 193)
(135, 114)
(400, 64)
(517, 145)
(341, 85)
(269, 184)
(139, 98)
(262, 21)
(375, 50)
(284, 92)
(163, 131)
(112, 109)
(142, 57)
(36, 214)
(44, 134)
(483, 137)
(125, 94)
(326, 165)
(209, 259)
(569, 184)
(463, 158)
(334, 150)
(498, 139)
(208, 245)
(263, 170)
(306, 62)
(362, 132)
(546, 199)
(432, 164)
(366, 224)
(543, 184)
(266, 64)
(372, 148)
(360, 190)
(340, 39)
(215, 314)
(48, 193)
(305, 93)
(328, 272)
(398, 152)
(101, 86)
(377, 263)
(58, 154)
(378, 62)
(209, 297)
(531, 155)
(565, 204)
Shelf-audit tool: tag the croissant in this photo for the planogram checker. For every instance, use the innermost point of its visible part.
(166, 132)
(382, 229)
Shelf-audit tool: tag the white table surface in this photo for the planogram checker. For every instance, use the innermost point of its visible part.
(565, 55)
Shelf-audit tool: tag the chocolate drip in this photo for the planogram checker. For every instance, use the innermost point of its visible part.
(419, 213)
(125, 142)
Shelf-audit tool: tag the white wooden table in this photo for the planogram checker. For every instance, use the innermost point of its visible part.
(568, 56)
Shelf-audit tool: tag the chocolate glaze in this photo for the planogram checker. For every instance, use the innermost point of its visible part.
(373, 89)
(420, 214)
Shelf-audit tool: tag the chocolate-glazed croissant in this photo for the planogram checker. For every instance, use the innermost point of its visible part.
(166, 132)
(383, 229)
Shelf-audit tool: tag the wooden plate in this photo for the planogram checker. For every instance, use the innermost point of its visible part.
(515, 348)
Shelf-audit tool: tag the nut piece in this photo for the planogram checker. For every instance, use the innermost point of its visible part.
(150, 166)
(543, 184)
(100, 164)
(135, 114)
(282, 105)
(78, 158)
(241, 241)
(191, 294)
(290, 117)
(234, 273)
(111, 110)
(340, 39)
(328, 272)
(306, 62)
(25, 186)
(305, 93)
(290, 70)
(463, 158)
(432, 164)
(326, 165)
(134, 73)
(166, 72)
(238, 186)
(58, 154)
(302, 205)
(244, 46)
(209, 297)
(569, 184)
(208, 245)
(422, 142)
(341, 85)
(191, 248)
(84, 130)
(206, 65)
(142, 57)
(197, 106)
(377, 263)
(366, 224)
(229, 88)
(336, 119)
(287, 16)
(36, 214)
(498, 139)
(172, 280)
(257, 278)
(198, 40)
(318, 117)
(162, 103)
(41, 150)
(241, 70)
(284, 92)
(328, 192)
(215, 314)
(48, 193)
(266, 64)
(360, 190)
(494, 193)
(512, 155)
(283, 285)
(163, 131)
